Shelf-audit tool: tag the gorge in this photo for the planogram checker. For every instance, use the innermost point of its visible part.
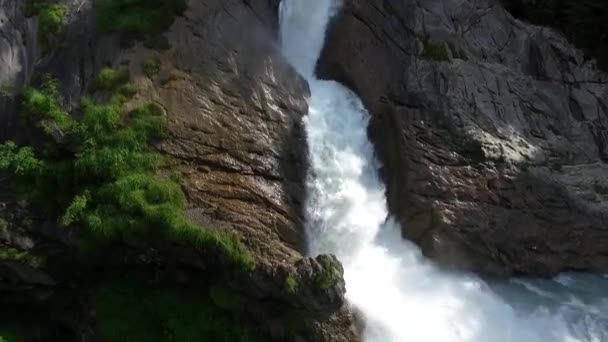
(303, 171)
(401, 295)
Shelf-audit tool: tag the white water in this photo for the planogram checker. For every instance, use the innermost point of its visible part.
(402, 296)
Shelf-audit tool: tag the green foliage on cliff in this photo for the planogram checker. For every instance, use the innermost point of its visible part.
(127, 312)
(151, 66)
(49, 23)
(50, 19)
(8, 337)
(111, 79)
(138, 18)
(584, 22)
(104, 175)
(437, 51)
(42, 106)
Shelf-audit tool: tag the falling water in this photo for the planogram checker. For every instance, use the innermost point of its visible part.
(401, 295)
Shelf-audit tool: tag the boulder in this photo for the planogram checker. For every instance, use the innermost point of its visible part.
(492, 132)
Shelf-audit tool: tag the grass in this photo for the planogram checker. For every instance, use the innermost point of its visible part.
(138, 18)
(582, 21)
(435, 51)
(329, 277)
(111, 79)
(43, 106)
(291, 284)
(151, 66)
(104, 175)
(129, 312)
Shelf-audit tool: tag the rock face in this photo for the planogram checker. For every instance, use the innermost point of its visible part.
(492, 132)
(235, 110)
(83, 52)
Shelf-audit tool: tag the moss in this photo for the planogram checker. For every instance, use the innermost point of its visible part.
(291, 284)
(107, 176)
(138, 18)
(129, 312)
(329, 277)
(50, 20)
(436, 51)
(24, 257)
(111, 79)
(151, 66)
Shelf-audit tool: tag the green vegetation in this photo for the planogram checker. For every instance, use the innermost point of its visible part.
(43, 107)
(50, 20)
(138, 18)
(104, 175)
(9, 337)
(435, 51)
(291, 284)
(24, 257)
(151, 66)
(328, 277)
(127, 312)
(582, 21)
(111, 79)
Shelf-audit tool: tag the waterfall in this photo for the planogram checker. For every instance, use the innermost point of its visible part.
(402, 296)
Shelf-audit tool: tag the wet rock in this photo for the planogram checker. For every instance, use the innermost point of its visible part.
(492, 152)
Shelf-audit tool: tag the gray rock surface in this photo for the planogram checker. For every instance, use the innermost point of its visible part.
(492, 132)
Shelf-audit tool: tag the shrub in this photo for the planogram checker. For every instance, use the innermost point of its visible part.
(129, 312)
(138, 18)
(43, 105)
(291, 284)
(111, 79)
(107, 180)
(49, 22)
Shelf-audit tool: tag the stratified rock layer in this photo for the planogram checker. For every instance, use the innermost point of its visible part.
(492, 132)
(235, 111)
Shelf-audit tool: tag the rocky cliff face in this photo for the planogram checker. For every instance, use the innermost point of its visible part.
(235, 108)
(492, 132)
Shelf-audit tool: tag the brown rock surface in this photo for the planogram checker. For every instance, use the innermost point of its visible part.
(492, 132)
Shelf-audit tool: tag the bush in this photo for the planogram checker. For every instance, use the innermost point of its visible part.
(49, 22)
(111, 79)
(138, 18)
(129, 312)
(43, 105)
(107, 179)
(582, 21)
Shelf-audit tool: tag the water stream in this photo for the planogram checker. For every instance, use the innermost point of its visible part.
(402, 296)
